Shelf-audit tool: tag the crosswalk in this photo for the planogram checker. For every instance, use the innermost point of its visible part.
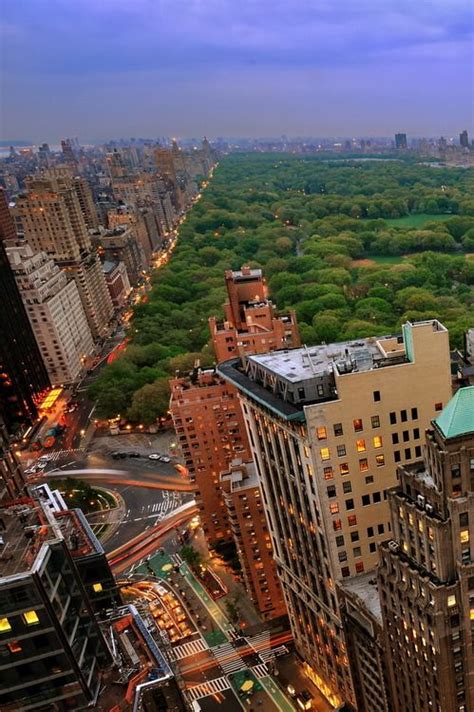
(267, 655)
(70, 452)
(155, 510)
(219, 684)
(228, 658)
(260, 670)
(187, 649)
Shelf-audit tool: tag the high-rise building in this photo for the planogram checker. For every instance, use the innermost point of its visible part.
(250, 324)
(7, 226)
(68, 151)
(210, 429)
(464, 139)
(426, 573)
(23, 376)
(327, 427)
(86, 202)
(12, 479)
(120, 245)
(401, 141)
(51, 219)
(53, 649)
(247, 521)
(117, 282)
(55, 312)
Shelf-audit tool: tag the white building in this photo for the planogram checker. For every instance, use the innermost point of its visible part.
(55, 311)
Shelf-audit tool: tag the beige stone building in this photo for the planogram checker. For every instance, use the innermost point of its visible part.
(50, 217)
(328, 426)
(55, 311)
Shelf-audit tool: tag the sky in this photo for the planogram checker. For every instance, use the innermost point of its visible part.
(101, 69)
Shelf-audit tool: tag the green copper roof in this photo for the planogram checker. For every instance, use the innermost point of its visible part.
(458, 416)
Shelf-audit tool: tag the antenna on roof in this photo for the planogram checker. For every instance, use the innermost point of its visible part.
(309, 358)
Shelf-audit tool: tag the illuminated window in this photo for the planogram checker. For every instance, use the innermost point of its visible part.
(328, 473)
(337, 525)
(363, 465)
(378, 441)
(360, 445)
(14, 647)
(306, 451)
(464, 536)
(334, 508)
(380, 460)
(321, 433)
(359, 567)
(97, 587)
(352, 520)
(358, 425)
(30, 617)
(451, 601)
(325, 454)
(344, 468)
(4, 625)
(471, 614)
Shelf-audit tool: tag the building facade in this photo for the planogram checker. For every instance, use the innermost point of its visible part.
(117, 282)
(50, 217)
(55, 312)
(426, 572)
(328, 426)
(23, 376)
(248, 524)
(250, 324)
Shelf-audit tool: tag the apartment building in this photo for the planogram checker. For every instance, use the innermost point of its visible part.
(50, 217)
(248, 524)
(208, 422)
(328, 426)
(55, 312)
(250, 323)
(426, 572)
(53, 651)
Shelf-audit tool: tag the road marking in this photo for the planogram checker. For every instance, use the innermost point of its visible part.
(187, 649)
(219, 684)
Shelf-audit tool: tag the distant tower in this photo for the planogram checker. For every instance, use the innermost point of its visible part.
(68, 153)
(401, 141)
(464, 139)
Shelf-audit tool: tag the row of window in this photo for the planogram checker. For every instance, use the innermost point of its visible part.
(366, 499)
(361, 446)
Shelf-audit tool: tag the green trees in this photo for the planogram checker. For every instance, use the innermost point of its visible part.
(321, 231)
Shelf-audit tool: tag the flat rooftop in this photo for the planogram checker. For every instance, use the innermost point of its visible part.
(364, 587)
(304, 363)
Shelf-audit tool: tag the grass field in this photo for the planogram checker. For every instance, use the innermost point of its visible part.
(415, 220)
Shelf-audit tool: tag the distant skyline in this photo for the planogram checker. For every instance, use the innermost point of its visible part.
(119, 68)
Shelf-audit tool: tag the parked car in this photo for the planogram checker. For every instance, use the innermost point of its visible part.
(41, 464)
(45, 458)
(165, 458)
(31, 470)
(154, 456)
(134, 454)
(119, 455)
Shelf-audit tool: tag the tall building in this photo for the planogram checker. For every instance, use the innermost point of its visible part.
(7, 226)
(12, 479)
(426, 573)
(50, 216)
(55, 312)
(247, 521)
(53, 651)
(250, 324)
(23, 376)
(401, 141)
(117, 282)
(120, 245)
(86, 202)
(208, 422)
(464, 139)
(327, 427)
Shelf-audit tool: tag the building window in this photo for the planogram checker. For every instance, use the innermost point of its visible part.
(30, 617)
(346, 487)
(344, 468)
(377, 440)
(417, 450)
(380, 460)
(370, 531)
(365, 500)
(325, 454)
(358, 426)
(369, 479)
(14, 647)
(464, 536)
(331, 491)
(403, 416)
(414, 413)
(334, 508)
(372, 547)
(407, 453)
(376, 497)
(328, 473)
(345, 572)
(338, 429)
(97, 587)
(393, 418)
(363, 465)
(438, 406)
(354, 536)
(352, 520)
(341, 450)
(396, 456)
(342, 556)
(360, 445)
(380, 528)
(451, 601)
(349, 504)
(5, 625)
(340, 540)
(356, 551)
(337, 525)
(359, 567)
(375, 420)
(376, 396)
(406, 436)
(321, 433)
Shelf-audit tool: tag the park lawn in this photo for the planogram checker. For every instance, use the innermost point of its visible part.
(416, 219)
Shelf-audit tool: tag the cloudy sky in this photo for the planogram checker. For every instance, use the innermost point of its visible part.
(111, 68)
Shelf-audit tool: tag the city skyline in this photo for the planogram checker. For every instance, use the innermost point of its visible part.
(252, 70)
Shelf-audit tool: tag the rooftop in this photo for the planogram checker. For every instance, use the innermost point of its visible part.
(364, 586)
(241, 475)
(457, 418)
